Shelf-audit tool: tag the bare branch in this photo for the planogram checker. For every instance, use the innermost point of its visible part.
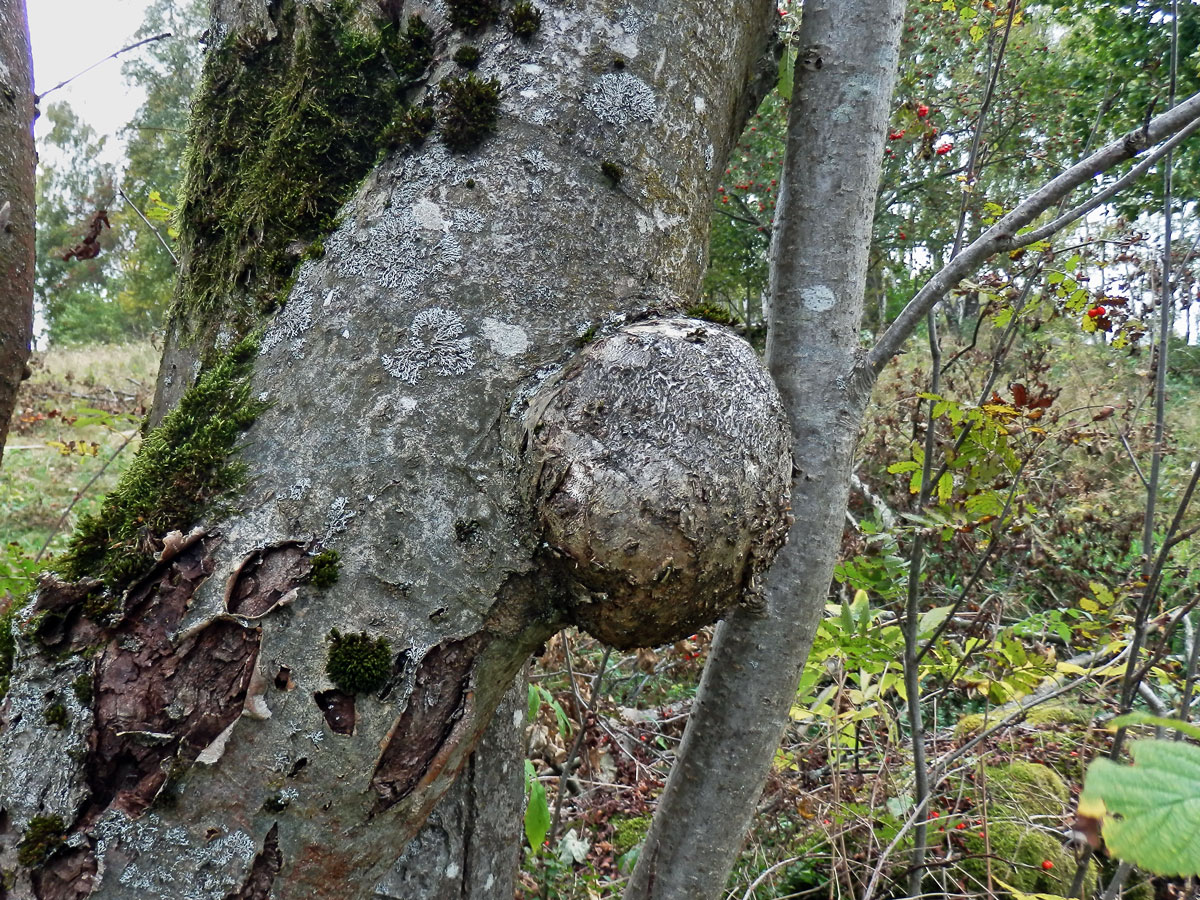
(1051, 228)
(1002, 236)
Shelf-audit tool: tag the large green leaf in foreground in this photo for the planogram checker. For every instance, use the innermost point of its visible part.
(1150, 810)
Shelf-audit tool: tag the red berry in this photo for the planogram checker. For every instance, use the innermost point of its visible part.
(895, 135)
(944, 149)
(1046, 864)
(1095, 312)
(922, 111)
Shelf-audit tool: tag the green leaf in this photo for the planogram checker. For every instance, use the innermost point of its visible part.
(535, 701)
(945, 487)
(1002, 318)
(1150, 810)
(537, 810)
(787, 74)
(1141, 718)
(932, 618)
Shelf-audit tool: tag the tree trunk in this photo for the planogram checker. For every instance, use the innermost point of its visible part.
(264, 662)
(16, 206)
(848, 53)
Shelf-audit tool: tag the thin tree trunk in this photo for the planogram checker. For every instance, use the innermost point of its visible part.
(836, 127)
(230, 711)
(16, 206)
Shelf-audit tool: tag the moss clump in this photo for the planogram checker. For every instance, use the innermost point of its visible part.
(628, 832)
(525, 19)
(1019, 853)
(410, 127)
(281, 134)
(470, 107)
(326, 566)
(181, 468)
(357, 663)
(713, 312)
(1025, 804)
(1035, 789)
(411, 51)
(1039, 715)
(43, 838)
(612, 171)
(473, 15)
(467, 56)
(56, 714)
(82, 686)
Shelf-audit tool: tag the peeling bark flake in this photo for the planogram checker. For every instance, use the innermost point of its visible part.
(265, 579)
(338, 709)
(147, 687)
(263, 871)
(440, 693)
(67, 876)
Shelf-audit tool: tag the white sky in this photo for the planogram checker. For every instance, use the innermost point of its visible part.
(70, 35)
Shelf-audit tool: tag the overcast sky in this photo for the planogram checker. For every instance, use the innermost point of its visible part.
(70, 35)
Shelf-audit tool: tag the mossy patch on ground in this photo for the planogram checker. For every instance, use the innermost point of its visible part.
(182, 467)
(628, 832)
(281, 134)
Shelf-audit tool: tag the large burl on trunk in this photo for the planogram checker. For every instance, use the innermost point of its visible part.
(428, 395)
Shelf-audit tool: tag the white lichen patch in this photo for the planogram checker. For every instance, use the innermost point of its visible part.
(338, 517)
(162, 862)
(290, 326)
(40, 775)
(428, 215)
(818, 298)
(503, 338)
(435, 342)
(620, 99)
(709, 155)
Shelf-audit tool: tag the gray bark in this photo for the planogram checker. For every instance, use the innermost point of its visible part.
(217, 759)
(836, 128)
(16, 205)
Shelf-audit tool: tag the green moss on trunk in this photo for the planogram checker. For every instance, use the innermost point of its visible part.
(281, 135)
(181, 470)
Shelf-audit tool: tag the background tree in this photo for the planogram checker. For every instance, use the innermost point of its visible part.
(16, 205)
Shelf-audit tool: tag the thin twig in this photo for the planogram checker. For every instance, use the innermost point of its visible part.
(63, 84)
(80, 494)
(142, 216)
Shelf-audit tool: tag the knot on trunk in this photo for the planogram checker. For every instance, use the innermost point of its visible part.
(659, 465)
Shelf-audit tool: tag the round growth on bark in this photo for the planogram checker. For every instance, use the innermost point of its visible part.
(659, 465)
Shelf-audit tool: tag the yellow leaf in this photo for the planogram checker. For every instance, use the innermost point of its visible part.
(1092, 807)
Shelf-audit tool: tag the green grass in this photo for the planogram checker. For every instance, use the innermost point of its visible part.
(77, 410)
